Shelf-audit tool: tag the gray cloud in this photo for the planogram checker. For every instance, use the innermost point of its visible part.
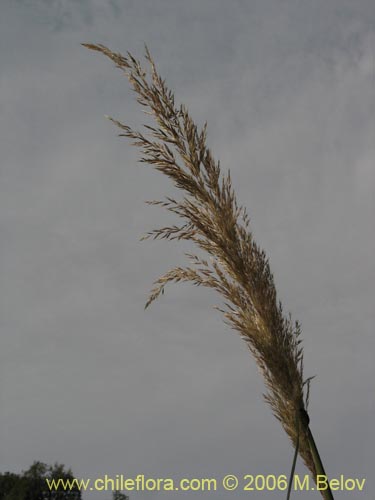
(87, 377)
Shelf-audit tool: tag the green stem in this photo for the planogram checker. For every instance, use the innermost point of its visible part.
(327, 494)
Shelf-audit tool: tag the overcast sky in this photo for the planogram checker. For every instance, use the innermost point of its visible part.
(87, 377)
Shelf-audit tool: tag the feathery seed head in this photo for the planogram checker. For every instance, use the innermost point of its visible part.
(238, 269)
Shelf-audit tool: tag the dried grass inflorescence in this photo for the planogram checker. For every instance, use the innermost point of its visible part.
(238, 268)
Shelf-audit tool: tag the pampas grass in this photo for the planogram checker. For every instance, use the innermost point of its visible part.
(236, 267)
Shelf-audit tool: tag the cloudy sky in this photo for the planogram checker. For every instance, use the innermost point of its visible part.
(87, 377)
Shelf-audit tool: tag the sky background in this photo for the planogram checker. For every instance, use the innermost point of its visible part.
(87, 377)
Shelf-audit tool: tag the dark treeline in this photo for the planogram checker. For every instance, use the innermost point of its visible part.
(32, 485)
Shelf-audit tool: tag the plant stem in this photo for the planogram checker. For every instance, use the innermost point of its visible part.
(327, 494)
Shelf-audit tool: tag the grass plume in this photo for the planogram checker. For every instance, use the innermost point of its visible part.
(237, 268)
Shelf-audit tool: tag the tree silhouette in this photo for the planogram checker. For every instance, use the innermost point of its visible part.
(32, 485)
